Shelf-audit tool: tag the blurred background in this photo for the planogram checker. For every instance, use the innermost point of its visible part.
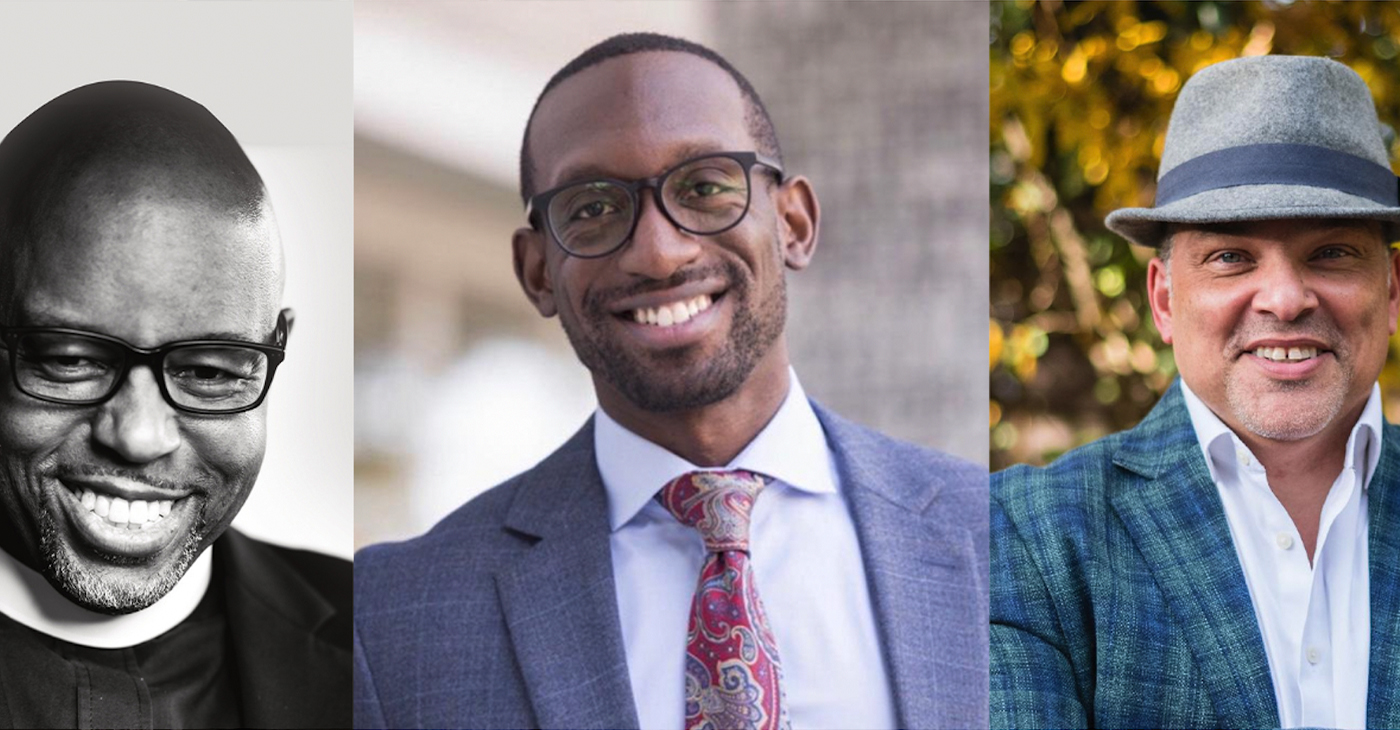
(1080, 97)
(278, 76)
(459, 384)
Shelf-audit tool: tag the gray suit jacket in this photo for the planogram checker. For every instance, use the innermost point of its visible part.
(504, 615)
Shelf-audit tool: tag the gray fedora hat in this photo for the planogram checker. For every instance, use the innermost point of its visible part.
(1265, 138)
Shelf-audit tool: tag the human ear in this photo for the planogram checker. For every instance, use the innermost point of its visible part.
(528, 253)
(1159, 296)
(799, 216)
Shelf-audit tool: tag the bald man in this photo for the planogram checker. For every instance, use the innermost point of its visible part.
(141, 325)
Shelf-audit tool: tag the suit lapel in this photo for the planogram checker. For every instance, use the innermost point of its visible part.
(274, 615)
(1174, 516)
(558, 598)
(1383, 503)
(930, 601)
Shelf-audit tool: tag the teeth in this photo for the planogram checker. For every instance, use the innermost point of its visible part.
(133, 514)
(675, 313)
(1279, 354)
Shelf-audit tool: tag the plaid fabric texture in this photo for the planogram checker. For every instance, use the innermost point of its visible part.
(1117, 599)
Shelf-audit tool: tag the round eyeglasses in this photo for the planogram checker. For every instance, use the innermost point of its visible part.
(74, 367)
(705, 196)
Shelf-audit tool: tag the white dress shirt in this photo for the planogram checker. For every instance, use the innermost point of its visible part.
(1315, 619)
(27, 598)
(807, 569)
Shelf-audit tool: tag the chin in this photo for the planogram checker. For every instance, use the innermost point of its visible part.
(109, 586)
(1293, 412)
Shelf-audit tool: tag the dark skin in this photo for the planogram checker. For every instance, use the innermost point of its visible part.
(634, 117)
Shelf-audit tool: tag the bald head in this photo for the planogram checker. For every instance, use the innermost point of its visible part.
(122, 154)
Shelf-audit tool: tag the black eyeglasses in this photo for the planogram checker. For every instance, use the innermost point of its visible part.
(212, 377)
(706, 196)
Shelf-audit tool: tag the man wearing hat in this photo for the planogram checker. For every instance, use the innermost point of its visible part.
(1234, 560)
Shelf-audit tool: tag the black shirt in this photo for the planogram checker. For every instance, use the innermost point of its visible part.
(180, 679)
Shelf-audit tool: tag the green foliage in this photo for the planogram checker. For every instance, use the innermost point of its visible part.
(1080, 98)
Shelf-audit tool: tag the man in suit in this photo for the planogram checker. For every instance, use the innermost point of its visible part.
(1232, 561)
(840, 573)
(141, 328)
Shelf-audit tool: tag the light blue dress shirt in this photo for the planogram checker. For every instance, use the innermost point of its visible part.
(807, 567)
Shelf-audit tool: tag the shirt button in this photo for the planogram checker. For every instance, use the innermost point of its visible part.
(1243, 456)
(1314, 655)
(1283, 540)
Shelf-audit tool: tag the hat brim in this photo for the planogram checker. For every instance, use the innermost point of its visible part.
(1147, 226)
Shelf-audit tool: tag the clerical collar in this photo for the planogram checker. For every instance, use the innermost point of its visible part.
(27, 598)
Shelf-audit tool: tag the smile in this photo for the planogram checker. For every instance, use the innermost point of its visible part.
(1286, 354)
(674, 313)
(134, 514)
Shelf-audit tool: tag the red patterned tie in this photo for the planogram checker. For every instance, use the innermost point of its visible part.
(732, 672)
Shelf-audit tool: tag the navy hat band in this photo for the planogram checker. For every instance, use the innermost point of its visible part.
(1280, 164)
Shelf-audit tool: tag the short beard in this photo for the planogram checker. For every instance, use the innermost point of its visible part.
(113, 597)
(1245, 406)
(753, 330)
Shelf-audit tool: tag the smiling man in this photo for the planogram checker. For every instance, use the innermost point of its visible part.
(711, 549)
(140, 326)
(1234, 560)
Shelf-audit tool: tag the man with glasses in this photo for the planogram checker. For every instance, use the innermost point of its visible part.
(141, 330)
(712, 549)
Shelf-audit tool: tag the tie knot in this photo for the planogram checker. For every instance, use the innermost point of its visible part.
(717, 503)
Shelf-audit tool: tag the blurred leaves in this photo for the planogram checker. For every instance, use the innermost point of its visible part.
(1080, 98)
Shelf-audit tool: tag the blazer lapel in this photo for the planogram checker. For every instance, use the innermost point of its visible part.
(558, 598)
(1174, 516)
(1383, 503)
(273, 615)
(929, 596)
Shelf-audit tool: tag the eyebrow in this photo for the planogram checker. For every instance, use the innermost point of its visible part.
(26, 318)
(593, 170)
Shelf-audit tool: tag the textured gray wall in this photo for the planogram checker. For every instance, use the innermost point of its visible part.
(884, 106)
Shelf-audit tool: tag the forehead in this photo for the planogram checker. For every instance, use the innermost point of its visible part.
(142, 259)
(1301, 232)
(634, 115)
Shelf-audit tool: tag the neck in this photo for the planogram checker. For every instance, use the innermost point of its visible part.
(1301, 473)
(714, 434)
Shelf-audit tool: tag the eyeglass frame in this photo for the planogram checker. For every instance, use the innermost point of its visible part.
(537, 208)
(154, 359)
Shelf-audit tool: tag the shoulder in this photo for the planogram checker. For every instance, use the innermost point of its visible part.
(290, 579)
(1077, 478)
(464, 540)
(922, 475)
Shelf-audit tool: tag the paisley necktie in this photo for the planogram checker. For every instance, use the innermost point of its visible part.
(732, 673)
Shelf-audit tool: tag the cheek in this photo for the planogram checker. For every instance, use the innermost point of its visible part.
(232, 448)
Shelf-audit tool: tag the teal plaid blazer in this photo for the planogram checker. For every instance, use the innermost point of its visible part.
(1117, 599)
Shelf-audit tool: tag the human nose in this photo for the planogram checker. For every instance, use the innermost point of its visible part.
(658, 248)
(136, 422)
(1285, 291)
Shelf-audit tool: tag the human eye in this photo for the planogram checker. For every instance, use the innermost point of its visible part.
(708, 186)
(216, 373)
(591, 201)
(1333, 253)
(60, 359)
(1227, 258)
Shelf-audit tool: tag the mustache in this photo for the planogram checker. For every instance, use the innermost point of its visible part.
(1318, 328)
(199, 482)
(596, 301)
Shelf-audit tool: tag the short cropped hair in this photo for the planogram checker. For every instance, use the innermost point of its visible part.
(756, 115)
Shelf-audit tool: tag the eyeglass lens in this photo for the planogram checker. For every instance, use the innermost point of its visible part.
(69, 367)
(704, 196)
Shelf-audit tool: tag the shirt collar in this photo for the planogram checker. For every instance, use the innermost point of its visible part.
(1219, 444)
(27, 598)
(792, 449)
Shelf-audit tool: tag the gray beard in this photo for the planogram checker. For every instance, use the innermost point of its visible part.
(112, 597)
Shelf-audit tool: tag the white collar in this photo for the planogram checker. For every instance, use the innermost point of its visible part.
(1219, 444)
(792, 448)
(27, 597)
